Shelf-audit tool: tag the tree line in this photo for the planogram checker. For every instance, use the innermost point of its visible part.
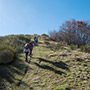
(73, 32)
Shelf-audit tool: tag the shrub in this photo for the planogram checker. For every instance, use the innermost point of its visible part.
(44, 35)
(47, 39)
(73, 32)
(7, 55)
(47, 43)
(85, 48)
(73, 47)
(62, 43)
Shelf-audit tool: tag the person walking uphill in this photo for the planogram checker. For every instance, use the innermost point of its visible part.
(26, 51)
(31, 48)
(36, 40)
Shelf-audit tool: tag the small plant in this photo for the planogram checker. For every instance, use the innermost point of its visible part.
(85, 48)
(73, 47)
(62, 43)
(47, 43)
(63, 87)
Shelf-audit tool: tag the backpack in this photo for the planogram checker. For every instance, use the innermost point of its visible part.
(36, 39)
(26, 48)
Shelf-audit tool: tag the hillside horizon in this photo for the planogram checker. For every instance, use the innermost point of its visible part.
(53, 66)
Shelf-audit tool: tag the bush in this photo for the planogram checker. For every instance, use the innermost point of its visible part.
(47, 43)
(62, 43)
(7, 55)
(47, 39)
(85, 49)
(45, 35)
(73, 47)
(73, 32)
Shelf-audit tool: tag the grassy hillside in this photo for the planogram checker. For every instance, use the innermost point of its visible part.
(52, 67)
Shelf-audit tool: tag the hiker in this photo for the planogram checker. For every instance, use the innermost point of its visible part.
(26, 51)
(31, 48)
(36, 40)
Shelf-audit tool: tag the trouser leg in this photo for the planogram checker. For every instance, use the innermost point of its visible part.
(26, 56)
(30, 53)
(36, 43)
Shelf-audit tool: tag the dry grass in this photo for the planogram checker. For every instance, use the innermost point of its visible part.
(63, 69)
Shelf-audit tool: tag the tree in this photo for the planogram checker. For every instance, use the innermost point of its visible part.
(74, 32)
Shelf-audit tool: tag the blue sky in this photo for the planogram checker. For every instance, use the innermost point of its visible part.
(39, 16)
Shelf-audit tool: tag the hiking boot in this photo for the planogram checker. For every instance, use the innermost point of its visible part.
(30, 55)
(29, 61)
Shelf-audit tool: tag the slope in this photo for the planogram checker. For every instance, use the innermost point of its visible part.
(48, 69)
